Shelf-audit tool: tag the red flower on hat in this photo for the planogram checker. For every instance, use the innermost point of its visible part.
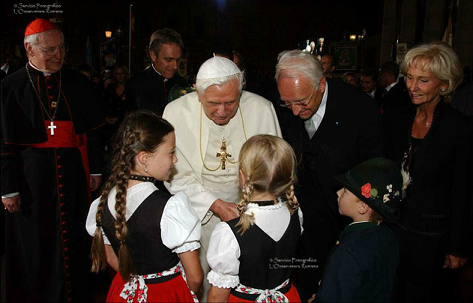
(366, 190)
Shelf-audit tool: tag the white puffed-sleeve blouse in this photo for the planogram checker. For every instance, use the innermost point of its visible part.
(180, 226)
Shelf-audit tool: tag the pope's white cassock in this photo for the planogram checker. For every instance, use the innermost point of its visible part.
(199, 171)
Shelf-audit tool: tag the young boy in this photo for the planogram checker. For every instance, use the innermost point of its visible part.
(362, 265)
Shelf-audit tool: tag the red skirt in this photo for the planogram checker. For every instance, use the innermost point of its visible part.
(174, 290)
(292, 295)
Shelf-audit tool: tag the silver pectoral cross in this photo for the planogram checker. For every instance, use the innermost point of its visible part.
(223, 155)
(52, 127)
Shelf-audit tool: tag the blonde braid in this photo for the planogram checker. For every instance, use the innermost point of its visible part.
(245, 220)
(292, 203)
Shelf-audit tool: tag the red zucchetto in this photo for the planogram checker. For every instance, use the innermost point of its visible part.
(39, 26)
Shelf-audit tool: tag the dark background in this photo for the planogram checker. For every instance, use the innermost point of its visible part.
(258, 29)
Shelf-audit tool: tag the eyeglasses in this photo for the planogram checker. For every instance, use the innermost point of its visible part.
(302, 103)
(51, 51)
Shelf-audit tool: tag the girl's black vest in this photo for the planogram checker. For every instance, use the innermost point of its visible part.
(265, 263)
(148, 252)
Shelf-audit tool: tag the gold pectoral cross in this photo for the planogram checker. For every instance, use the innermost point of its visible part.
(223, 155)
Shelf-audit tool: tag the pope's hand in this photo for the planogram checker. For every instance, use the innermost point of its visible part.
(226, 211)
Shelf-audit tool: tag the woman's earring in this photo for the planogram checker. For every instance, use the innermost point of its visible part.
(443, 90)
(146, 168)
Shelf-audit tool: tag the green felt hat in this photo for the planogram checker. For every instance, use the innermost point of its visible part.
(378, 183)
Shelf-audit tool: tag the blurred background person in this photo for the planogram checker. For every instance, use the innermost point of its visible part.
(328, 65)
(115, 97)
(350, 78)
(86, 70)
(239, 60)
(114, 108)
(369, 84)
(396, 111)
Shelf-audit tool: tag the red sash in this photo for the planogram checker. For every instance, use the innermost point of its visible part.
(64, 137)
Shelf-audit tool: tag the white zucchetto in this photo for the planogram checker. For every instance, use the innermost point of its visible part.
(217, 67)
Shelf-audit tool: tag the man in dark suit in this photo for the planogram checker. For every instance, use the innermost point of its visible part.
(397, 111)
(369, 84)
(337, 128)
(150, 88)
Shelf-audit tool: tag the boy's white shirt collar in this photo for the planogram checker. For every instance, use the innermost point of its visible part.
(352, 223)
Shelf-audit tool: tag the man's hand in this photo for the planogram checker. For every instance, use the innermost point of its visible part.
(95, 182)
(226, 211)
(12, 204)
(453, 262)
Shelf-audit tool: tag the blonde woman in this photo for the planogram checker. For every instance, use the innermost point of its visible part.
(435, 227)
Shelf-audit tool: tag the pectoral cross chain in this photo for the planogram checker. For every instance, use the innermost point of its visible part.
(223, 155)
(52, 127)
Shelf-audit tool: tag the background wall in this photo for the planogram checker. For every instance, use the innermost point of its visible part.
(258, 29)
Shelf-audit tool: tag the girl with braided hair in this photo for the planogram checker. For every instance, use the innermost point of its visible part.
(251, 257)
(149, 237)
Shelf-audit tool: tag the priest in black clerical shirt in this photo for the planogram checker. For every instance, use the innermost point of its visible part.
(150, 88)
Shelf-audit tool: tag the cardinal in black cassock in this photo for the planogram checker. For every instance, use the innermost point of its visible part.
(49, 144)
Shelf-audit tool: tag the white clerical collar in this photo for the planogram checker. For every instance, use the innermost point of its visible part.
(165, 79)
(388, 88)
(32, 65)
(316, 118)
(372, 93)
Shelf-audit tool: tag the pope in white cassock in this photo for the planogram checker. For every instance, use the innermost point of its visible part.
(211, 125)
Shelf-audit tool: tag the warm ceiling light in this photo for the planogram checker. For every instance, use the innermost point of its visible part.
(108, 34)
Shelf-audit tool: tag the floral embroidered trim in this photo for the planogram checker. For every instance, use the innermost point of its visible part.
(138, 282)
(266, 295)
